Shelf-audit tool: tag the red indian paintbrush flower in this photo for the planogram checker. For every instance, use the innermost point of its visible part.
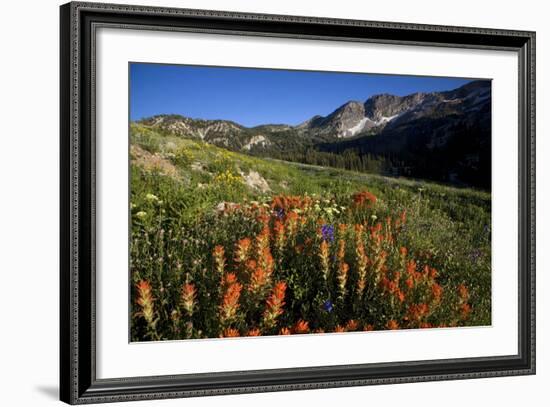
(364, 198)
(258, 280)
(392, 324)
(262, 242)
(417, 312)
(412, 273)
(352, 325)
(219, 259)
(400, 295)
(279, 235)
(285, 331)
(378, 264)
(230, 301)
(301, 327)
(274, 305)
(375, 235)
(146, 301)
(324, 258)
(437, 292)
(341, 252)
(342, 277)
(465, 310)
(230, 278)
(343, 267)
(342, 228)
(463, 292)
(230, 333)
(254, 332)
(188, 297)
(362, 262)
(251, 266)
(291, 223)
(266, 261)
(263, 219)
(242, 250)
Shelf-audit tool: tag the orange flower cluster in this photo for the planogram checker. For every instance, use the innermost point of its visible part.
(361, 260)
(230, 302)
(292, 219)
(219, 259)
(324, 258)
(437, 292)
(392, 324)
(355, 269)
(259, 278)
(262, 242)
(343, 267)
(352, 325)
(146, 301)
(230, 333)
(274, 305)
(417, 312)
(342, 277)
(242, 250)
(339, 329)
(301, 327)
(188, 297)
(279, 235)
(392, 287)
(364, 198)
(254, 332)
(463, 292)
(289, 202)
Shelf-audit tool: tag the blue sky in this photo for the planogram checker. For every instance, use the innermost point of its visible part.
(260, 96)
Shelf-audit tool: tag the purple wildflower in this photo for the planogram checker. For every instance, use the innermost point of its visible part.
(328, 232)
(327, 306)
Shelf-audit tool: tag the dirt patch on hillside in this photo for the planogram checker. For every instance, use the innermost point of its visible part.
(153, 162)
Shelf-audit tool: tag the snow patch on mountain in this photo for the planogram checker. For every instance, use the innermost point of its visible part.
(364, 123)
(382, 120)
(352, 131)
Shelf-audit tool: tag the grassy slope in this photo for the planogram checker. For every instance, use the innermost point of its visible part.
(451, 226)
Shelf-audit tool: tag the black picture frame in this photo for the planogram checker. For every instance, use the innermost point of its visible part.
(78, 382)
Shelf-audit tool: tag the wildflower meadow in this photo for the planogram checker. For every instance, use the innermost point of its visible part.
(309, 250)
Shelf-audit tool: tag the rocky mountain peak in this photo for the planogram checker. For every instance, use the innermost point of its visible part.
(343, 122)
(377, 115)
(385, 105)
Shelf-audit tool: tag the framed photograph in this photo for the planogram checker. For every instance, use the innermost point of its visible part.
(255, 203)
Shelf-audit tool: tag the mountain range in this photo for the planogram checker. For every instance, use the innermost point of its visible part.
(445, 136)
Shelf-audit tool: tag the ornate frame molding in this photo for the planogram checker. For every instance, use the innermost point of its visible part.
(77, 210)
